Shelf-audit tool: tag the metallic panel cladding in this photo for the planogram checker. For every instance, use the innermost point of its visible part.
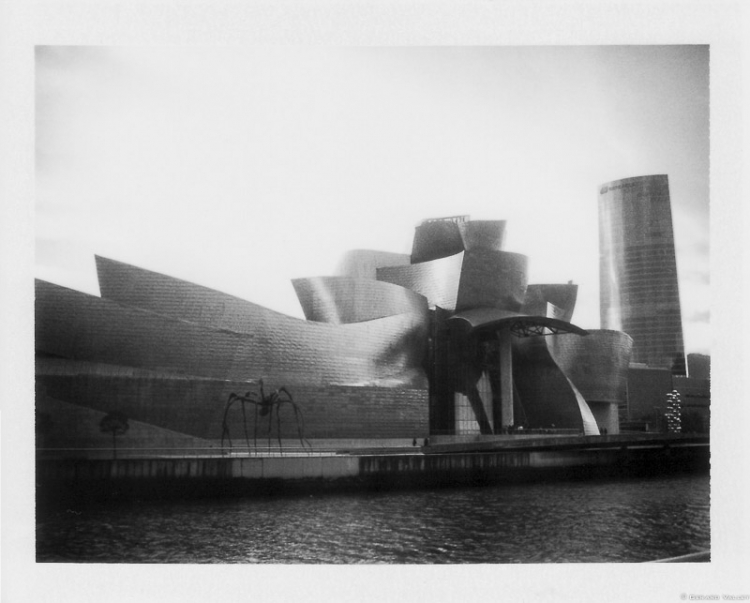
(437, 280)
(590, 426)
(343, 300)
(561, 297)
(637, 269)
(597, 364)
(169, 352)
(288, 343)
(436, 239)
(194, 406)
(197, 338)
(74, 427)
(443, 237)
(492, 279)
(545, 395)
(483, 234)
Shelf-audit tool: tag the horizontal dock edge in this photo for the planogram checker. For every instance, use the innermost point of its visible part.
(94, 479)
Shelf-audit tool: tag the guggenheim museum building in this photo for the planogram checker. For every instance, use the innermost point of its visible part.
(450, 340)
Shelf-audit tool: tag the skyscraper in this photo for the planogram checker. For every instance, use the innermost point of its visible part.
(639, 293)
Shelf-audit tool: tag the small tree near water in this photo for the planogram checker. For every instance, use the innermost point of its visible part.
(117, 424)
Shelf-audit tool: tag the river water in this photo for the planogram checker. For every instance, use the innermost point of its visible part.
(576, 521)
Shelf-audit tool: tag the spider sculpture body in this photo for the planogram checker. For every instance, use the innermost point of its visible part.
(264, 405)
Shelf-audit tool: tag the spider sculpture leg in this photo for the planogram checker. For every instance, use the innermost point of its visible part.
(225, 433)
(270, 425)
(297, 414)
(300, 428)
(278, 425)
(250, 398)
(255, 428)
(244, 423)
(224, 424)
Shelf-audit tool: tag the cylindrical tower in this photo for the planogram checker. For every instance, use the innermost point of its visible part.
(637, 270)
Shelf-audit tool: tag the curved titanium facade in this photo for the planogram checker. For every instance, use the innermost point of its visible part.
(597, 364)
(492, 279)
(280, 349)
(278, 340)
(471, 279)
(342, 300)
(168, 353)
(491, 291)
(443, 237)
(436, 239)
(554, 301)
(437, 280)
(637, 270)
(364, 263)
(172, 407)
(482, 234)
(595, 367)
(546, 396)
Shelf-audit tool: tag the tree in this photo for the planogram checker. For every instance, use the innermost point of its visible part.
(116, 423)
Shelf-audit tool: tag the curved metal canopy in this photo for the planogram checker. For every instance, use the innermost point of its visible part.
(521, 325)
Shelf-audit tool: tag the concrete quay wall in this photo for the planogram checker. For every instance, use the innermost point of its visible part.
(87, 480)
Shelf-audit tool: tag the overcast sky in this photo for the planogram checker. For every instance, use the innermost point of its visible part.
(241, 168)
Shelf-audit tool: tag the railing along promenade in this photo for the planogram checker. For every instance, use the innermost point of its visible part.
(432, 445)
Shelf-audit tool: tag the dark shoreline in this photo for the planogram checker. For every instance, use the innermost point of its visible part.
(76, 482)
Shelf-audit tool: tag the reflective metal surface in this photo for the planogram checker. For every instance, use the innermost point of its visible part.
(281, 349)
(435, 239)
(555, 301)
(595, 367)
(341, 300)
(492, 279)
(168, 411)
(546, 396)
(482, 234)
(437, 280)
(168, 353)
(597, 364)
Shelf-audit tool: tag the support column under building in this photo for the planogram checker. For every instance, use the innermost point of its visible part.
(504, 414)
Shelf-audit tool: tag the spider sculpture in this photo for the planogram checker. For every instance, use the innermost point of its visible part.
(265, 405)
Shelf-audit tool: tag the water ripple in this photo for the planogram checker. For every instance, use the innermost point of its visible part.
(629, 520)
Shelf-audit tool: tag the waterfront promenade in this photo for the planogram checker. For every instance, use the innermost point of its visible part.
(443, 462)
